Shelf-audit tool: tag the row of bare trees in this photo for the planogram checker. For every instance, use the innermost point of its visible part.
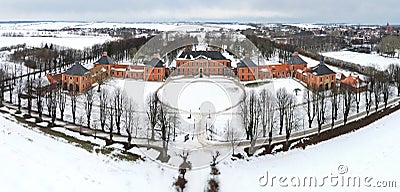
(258, 114)
(259, 108)
(163, 122)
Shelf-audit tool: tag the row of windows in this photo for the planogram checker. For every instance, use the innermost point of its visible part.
(154, 71)
(207, 70)
(327, 77)
(201, 63)
(70, 78)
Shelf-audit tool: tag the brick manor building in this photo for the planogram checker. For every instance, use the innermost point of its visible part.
(192, 63)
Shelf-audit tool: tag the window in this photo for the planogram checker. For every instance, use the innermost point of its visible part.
(320, 79)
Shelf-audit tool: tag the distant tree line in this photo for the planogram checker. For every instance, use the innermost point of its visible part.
(53, 58)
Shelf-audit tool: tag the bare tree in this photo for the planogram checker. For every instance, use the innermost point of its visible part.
(321, 107)
(129, 118)
(282, 99)
(386, 92)
(53, 107)
(62, 100)
(215, 158)
(49, 96)
(111, 115)
(103, 108)
(20, 89)
(371, 88)
(174, 120)
(397, 78)
(119, 99)
(3, 77)
(151, 111)
(39, 91)
(310, 106)
(137, 123)
(29, 87)
(88, 105)
(73, 96)
(250, 115)
(348, 99)
(334, 104)
(12, 82)
(267, 107)
(165, 130)
(394, 76)
(377, 90)
(231, 135)
(290, 122)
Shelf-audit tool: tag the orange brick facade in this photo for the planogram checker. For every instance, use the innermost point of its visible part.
(155, 70)
(204, 66)
(76, 83)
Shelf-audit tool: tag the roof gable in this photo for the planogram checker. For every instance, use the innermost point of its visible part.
(104, 60)
(155, 62)
(321, 69)
(296, 60)
(77, 70)
(246, 63)
(213, 55)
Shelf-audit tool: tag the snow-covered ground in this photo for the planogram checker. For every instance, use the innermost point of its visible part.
(363, 59)
(37, 34)
(370, 153)
(190, 94)
(76, 42)
(31, 161)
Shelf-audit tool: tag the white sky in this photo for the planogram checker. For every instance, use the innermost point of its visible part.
(313, 11)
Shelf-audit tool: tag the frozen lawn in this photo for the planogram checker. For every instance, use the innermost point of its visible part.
(363, 59)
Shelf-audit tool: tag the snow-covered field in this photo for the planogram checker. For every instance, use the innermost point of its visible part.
(75, 42)
(190, 94)
(363, 59)
(33, 34)
(31, 161)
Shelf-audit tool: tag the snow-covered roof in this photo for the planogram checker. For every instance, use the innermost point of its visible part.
(296, 59)
(77, 69)
(246, 63)
(105, 59)
(213, 55)
(118, 69)
(136, 70)
(321, 69)
(155, 62)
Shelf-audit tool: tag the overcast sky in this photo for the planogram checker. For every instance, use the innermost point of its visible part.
(309, 11)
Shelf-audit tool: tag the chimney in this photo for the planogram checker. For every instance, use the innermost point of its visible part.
(155, 55)
(322, 60)
(104, 54)
(247, 56)
(296, 53)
